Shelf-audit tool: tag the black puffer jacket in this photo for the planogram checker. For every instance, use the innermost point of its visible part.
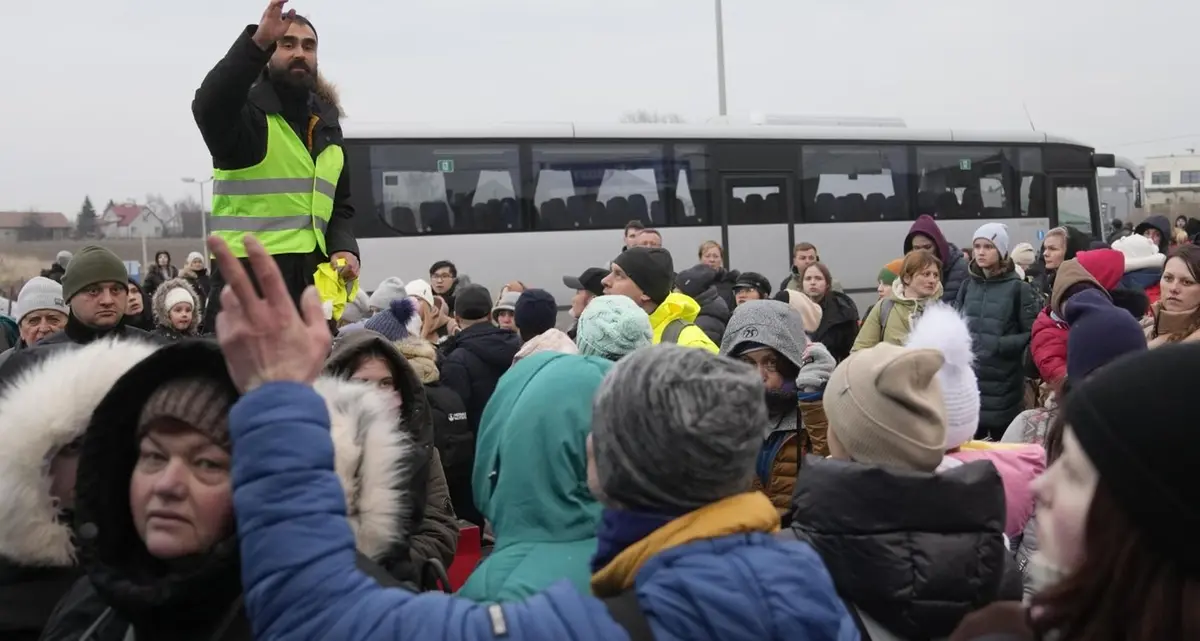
(914, 552)
(839, 325)
(473, 362)
(714, 314)
(726, 279)
(1000, 311)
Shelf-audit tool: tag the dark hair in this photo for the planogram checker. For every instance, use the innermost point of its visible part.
(650, 230)
(1125, 590)
(634, 224)
(1190, 255)
(824, 273)
(803, 247)
(444, 263)
(1116, 223)
(305, 22)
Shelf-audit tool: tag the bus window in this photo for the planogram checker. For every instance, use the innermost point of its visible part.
(1033, 182)
(1074, 209)
(963, 182)
(854, 184)
(693, 197)
(441, 189)
(588, 186)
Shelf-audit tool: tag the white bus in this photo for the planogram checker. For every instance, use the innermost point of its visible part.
(537, 202)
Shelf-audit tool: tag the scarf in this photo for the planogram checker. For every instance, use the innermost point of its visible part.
(620, 529)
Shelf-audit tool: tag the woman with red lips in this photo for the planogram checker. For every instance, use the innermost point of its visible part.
(154, 500)
(1175, 318)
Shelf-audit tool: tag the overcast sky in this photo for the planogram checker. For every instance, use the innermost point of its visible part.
(97, 100)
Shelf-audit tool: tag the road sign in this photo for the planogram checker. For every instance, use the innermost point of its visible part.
(965, 164)
(445, 166)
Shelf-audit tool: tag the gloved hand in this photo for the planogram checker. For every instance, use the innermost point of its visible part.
(817, 368)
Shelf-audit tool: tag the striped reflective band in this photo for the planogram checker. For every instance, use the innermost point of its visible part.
(264, 224)
(268, 186)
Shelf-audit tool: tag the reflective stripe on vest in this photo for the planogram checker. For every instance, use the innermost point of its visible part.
(285, 201)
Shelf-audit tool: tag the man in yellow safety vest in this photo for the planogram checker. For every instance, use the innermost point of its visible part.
(271, 125)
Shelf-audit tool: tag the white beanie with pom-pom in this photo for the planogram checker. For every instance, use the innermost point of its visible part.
(943, 329)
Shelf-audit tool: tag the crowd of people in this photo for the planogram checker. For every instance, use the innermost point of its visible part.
(262, 447)
(695, 457)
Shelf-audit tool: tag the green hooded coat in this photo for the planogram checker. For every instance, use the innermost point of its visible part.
(530, 477)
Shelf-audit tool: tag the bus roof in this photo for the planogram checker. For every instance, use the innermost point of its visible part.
(602, 131)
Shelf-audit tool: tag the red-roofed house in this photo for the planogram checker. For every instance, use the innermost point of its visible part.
(129, 220)
(33, 225)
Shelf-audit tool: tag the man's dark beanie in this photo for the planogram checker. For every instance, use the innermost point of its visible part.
(473, 302)
(91, 265)
(651, 269)
(535, 312)
(1146, 459)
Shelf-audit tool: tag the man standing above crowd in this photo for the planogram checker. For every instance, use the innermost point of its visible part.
(271, 125)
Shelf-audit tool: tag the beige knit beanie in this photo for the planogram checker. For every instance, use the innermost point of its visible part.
(885, 407)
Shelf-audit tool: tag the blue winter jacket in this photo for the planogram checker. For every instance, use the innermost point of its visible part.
(301, 583)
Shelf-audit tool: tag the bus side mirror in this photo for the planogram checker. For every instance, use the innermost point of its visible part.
(1104, 160)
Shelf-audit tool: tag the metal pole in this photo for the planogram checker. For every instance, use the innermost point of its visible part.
(720, 60)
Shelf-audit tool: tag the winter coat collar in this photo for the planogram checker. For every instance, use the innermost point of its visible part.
(36, 420)
(749, 512)
(422, 356)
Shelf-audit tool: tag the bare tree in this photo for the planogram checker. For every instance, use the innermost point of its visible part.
(190, 214)
(645, 116)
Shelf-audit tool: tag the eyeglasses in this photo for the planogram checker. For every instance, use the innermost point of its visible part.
(442, 277)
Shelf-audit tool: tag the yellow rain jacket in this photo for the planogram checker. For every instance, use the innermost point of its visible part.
(683, 308)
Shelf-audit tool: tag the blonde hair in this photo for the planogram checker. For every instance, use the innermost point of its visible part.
(709, 244)
(1179, 236)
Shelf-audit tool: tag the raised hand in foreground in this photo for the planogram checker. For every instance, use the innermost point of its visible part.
(264, 338)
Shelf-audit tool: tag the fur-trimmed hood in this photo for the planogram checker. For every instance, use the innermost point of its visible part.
(162, 315)
(422, 356)
(369, 454)
(370, 458)
(36, 420)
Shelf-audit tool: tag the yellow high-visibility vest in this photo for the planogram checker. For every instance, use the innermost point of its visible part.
(285, 201)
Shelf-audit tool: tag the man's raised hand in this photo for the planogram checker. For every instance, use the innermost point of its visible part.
(274, 24)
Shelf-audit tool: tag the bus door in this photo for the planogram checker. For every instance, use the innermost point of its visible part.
(1075, 202)
(756, 212)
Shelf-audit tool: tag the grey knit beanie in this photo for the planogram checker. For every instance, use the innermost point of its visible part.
(676, 428)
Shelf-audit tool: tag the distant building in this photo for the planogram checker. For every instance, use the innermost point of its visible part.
(33, 225)
(1118, 199)
(1172, 185)
(130, 220)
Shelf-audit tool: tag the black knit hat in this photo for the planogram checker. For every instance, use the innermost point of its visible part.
(91, 265)
(473, 302)
(651, 269)
(1147, 458)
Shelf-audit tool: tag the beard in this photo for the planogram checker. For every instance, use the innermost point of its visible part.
(291, 77)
